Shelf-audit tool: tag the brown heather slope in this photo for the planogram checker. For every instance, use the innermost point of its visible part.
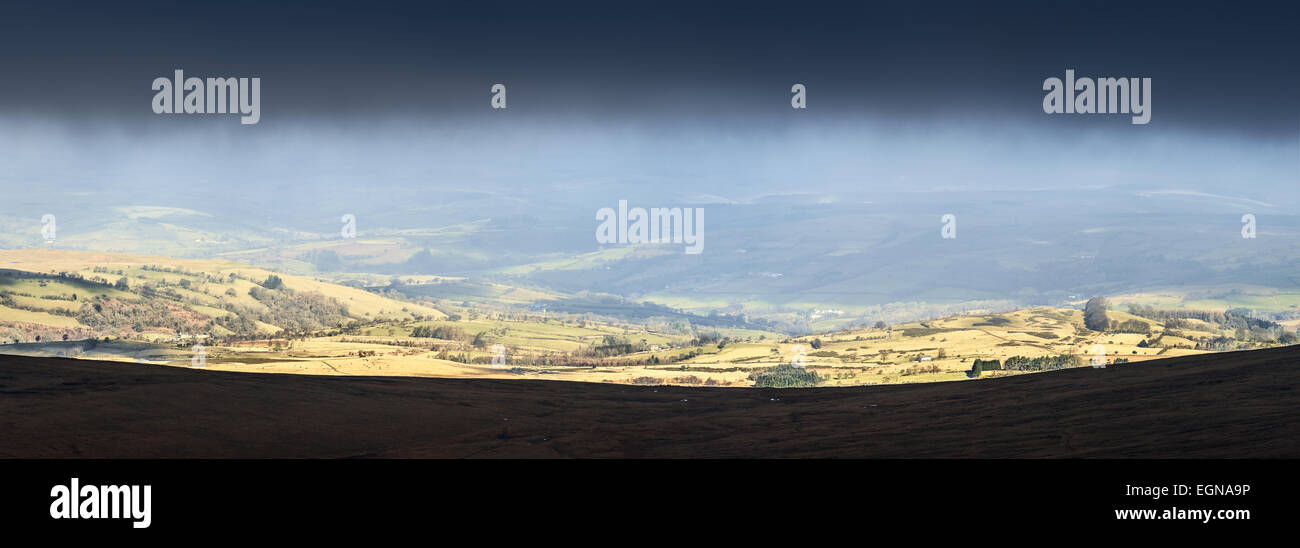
(1241, 404)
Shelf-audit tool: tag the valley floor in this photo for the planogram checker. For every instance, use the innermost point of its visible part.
(916, 352)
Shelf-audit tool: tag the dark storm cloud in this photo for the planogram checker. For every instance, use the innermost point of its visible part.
(1215, 66)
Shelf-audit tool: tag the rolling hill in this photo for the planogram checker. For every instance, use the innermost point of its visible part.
(133, 295)
(225, 315)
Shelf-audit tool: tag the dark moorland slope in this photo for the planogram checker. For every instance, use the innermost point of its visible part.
(1240, 404)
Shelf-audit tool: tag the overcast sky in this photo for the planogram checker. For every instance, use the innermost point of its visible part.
(691, 96)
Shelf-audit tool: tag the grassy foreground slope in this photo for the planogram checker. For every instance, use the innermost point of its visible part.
(1224, 405)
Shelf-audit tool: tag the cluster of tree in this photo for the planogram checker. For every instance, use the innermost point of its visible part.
(1283, 315)
(692, 379)
(582, 359)
(785, 376)
(921, 370)
(105, 314)
(273, 282)
(703, 339)
(1249, 338)
(1094, 314)
(1241, 318)
(612, 345)
(689, 380)
(981, 366)
(160, 268)
(388, 342)
(287, 309)
(325, 260)
(1042, 363)
(1233, 318)
(49, 276)
(445, 332)
(1132, 326)
(1217, 343)
(1249, 331)
(462, 357)
(7, 299)
(25, 332)
(156, 287)
(240, 325)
